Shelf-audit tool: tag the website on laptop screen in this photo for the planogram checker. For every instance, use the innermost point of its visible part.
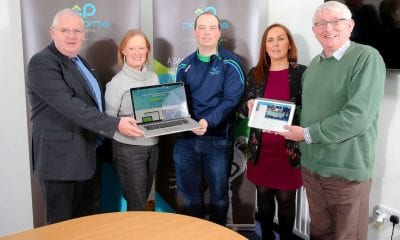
(159, 103)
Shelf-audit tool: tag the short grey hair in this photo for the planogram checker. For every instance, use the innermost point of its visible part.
(62, 12)
(335, 6)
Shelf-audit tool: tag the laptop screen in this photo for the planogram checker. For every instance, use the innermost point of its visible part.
(159, 102)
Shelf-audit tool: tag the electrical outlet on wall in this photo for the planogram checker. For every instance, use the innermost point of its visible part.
(380, 217)
(383, 213)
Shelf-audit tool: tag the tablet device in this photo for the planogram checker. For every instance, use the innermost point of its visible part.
(272, 115)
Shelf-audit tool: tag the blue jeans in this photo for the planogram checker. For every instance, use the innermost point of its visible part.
(199, 161)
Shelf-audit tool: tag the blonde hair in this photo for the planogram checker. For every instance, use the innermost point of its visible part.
(128, 35)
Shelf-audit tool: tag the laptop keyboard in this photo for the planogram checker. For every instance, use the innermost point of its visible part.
(153, 126)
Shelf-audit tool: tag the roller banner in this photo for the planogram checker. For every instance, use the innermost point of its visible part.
(173, 41)
(105, 24)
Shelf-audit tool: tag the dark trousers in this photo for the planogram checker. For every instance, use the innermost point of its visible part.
(338, 208)
(136, 166)
(71, 199)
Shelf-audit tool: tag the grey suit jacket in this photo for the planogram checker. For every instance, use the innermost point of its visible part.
(65, 120)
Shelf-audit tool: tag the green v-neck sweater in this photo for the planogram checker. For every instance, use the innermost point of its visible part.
(341, 102)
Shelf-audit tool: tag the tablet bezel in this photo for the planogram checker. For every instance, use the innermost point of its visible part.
(261, 121)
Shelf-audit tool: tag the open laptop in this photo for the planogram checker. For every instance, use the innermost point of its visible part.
(162, 109)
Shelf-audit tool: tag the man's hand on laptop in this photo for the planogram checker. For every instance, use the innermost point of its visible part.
(202, 129)
(128, 127)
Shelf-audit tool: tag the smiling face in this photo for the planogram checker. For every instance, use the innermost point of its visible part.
(135, 52)
(277, 44)
(207, 32)
(331, 30)
(68, 33)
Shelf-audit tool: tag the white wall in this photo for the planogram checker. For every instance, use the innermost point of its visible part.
(15, 184)
(386, 180)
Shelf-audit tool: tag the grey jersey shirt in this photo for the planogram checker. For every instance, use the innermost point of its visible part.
(118, 99)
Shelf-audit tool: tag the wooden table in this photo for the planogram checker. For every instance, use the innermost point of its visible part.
(130, 225)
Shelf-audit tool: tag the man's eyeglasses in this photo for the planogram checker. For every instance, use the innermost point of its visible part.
(333, 23)
(67, 31)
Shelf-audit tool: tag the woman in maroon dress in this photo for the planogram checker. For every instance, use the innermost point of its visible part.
(273, 164)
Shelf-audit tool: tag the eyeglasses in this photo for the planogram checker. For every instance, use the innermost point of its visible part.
(67, 31)
(137, 49)
(333, 23)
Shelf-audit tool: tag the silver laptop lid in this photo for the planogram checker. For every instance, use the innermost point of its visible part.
(159, 102)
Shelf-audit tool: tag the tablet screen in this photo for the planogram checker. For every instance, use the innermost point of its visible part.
(271, 114)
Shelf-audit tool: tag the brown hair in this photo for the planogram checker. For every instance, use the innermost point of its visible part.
(128, 35)
(264, 60)
(207, 13)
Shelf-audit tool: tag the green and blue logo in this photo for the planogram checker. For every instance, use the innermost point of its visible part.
(197, 12)
(211, 9)
(87, 11)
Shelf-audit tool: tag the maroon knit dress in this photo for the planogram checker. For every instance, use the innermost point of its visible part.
(272, 169)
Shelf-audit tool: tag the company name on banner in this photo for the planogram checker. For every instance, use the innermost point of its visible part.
(198, 11)
(87, 11)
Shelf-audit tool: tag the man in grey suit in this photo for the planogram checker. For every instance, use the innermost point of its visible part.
(68, 125)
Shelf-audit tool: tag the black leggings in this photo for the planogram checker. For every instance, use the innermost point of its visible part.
(266, 211)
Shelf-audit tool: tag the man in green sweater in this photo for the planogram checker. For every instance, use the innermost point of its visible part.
(342, 91)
